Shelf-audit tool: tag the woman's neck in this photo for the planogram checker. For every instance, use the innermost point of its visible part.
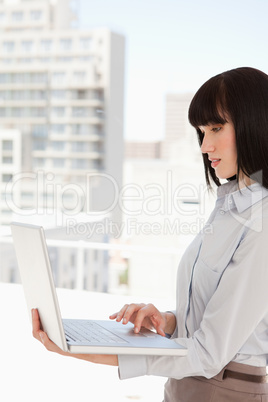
(245, 181)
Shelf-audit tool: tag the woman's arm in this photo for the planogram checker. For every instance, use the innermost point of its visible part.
(41, 336)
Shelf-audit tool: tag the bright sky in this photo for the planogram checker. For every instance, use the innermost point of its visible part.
(175, 46)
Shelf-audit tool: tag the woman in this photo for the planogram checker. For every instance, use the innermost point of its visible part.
(222, 298)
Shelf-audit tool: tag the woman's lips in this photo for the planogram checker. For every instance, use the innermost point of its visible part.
(215, 162)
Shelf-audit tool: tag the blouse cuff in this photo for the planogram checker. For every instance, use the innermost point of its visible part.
(175, 333)
(131, 366)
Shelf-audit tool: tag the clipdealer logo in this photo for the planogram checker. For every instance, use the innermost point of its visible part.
(134, 227)
(134, 200)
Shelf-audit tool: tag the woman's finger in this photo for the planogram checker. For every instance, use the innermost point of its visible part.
(36, 324)
(145, 312)
(153, 316)
(113, 316)
(126, 312)
(119, 315)
(131, 312)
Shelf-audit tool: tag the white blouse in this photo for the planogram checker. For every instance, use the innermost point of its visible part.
(222, 292)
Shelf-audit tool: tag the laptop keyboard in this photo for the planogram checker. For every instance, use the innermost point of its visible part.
(89, 331)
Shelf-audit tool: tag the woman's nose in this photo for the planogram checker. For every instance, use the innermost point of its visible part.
(207, 145)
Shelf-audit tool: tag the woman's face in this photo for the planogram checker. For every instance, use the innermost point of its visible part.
(219, 143)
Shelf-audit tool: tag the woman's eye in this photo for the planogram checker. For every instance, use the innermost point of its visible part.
(216, 129)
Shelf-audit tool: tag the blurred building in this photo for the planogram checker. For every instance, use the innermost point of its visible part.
(166, 203)
(76, 260)
(61, 136)
(10, 164)
(143, 150)
(21, 15)
(179, 138)
(62, 90)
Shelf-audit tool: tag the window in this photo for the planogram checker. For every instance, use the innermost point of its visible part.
(80, 147)
(2, 17)
(95, 255)
(19, 78)
(3, 78)
(80, 129)
(6, 178)
(58, 94)
(99, 94)
(80, 112)
(27, 196)
(58, 163)
(7, 160)
(65, 59)
(39, 145)
(96, 164)
(35, 15)
(27, 45)
(73, 260)
(7, 61)
(58, 128)
(38, 95)
(8, 46)
(38, 112)
(65, 44)
(17, 16)
(99, 112)
(58, 111)
(85, 43)
(40, 131)
(45, 59)
(46, 45)
(80, 94)
(79, 76)
(7, 145)
(84, 129)
(86, 59)
(38, 162)
(58, 77)
(19, 95)
(58, 145)
(80, 164)
(96, 147)
(7, 212)
(19, 112)
(27, 60)
(38, 78)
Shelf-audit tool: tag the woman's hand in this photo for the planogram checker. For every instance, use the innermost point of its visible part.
(41, 336)
(146, 315)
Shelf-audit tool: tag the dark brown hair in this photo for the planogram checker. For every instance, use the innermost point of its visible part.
(240, 95)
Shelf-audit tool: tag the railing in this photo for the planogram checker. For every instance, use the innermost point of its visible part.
(168, 255)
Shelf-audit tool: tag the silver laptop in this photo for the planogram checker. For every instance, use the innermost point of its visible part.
(75, 336)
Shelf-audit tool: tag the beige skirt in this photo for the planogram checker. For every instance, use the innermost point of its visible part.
(220, 388)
